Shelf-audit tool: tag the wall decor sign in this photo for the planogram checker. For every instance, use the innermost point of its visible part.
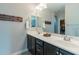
(10, 18)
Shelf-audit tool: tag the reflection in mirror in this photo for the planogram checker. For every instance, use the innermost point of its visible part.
(56, 25)
(62, 26)
(54, 14)
(64, 18)
(33, 21)
(49, 18)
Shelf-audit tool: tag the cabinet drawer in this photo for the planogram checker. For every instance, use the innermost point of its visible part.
(39, 49)
(50, 49)
(63, 52)
(38, 41)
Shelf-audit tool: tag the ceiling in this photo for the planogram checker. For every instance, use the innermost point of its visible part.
(54, 7)
(27, 8)
(20, 9)
(50, 6)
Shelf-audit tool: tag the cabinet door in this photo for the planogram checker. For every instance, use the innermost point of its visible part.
(49, 49)
(31, 44)
(39, 47)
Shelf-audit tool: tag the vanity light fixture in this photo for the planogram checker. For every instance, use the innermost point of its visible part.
(41, 6)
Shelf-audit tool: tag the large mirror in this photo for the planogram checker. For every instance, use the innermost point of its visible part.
(52, 17)
(59, 18)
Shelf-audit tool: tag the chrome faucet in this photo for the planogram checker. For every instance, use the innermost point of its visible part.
(66, 38)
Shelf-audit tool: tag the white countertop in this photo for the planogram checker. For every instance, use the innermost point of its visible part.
(57, 41)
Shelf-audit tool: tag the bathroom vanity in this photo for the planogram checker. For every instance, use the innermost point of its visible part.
(37, 44)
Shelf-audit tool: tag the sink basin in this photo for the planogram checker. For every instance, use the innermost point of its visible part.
(45, 34)
(72, 41)
(75, 42)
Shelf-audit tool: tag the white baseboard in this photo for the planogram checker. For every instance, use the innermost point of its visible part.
(19, 52)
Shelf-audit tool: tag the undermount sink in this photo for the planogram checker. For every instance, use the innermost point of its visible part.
(75, 42)
(45, 34)
(72, 41)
